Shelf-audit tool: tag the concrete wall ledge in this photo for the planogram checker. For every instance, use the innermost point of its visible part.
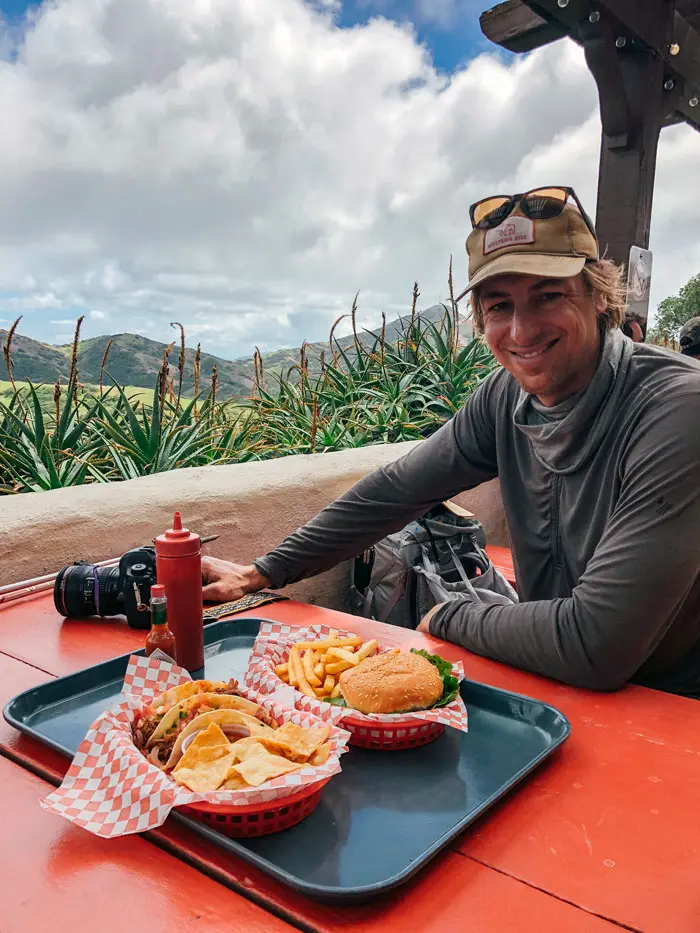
(252, 506)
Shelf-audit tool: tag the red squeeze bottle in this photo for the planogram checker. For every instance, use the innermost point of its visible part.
(179, 568)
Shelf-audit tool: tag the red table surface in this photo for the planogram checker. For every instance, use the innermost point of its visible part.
(59, 878)
(609, 824)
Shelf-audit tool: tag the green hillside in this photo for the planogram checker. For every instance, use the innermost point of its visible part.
(134, 360)
(45, 393)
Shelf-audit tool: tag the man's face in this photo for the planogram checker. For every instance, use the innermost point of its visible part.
(543, 331)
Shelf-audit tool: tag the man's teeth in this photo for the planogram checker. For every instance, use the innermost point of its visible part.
(531, 354)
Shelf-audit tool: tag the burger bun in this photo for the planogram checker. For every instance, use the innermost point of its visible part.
(392, 682)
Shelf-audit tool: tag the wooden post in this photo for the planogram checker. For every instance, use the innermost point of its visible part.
(634, 105)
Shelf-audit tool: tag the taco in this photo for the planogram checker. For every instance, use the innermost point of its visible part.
(160, 730)
(193, 688)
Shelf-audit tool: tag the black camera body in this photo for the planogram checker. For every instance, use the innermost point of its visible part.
(82, 590)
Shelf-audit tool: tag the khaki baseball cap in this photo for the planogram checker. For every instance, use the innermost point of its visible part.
(556, 247)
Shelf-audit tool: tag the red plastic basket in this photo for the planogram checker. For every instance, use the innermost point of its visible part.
(407, 732)
(257, 820)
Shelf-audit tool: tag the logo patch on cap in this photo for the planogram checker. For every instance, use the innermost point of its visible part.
(513, 231)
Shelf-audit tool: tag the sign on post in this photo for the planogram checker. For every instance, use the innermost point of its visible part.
(638, 284)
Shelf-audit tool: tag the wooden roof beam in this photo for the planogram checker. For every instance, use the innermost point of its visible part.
(515, 27)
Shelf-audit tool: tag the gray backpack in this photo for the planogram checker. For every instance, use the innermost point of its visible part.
(435, 559)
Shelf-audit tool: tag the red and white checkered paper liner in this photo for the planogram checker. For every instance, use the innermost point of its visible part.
(272, 647)
(112, 790)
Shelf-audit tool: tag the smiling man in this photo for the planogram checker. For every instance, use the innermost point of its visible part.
(589, 435)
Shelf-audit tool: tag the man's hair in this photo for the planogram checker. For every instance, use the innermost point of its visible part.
(603, 277)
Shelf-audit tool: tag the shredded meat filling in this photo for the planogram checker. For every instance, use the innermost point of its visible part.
(143, 729)
(231, 689)
(164, 748)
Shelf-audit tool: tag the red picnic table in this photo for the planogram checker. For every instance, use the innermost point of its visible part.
(605, 835)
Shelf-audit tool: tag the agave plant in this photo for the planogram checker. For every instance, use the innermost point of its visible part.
(141, 439)
(375, 391)
(36, 454)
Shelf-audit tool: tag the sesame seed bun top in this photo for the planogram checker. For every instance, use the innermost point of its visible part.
(391, 683)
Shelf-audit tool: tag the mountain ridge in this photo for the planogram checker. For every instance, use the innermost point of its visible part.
(135, 360)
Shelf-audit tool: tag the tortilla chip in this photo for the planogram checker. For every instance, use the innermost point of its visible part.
(283, 749)
(251, 747)
(321, 755)
(234, 780)
(258, 769)
(304, 740)
(297, 748)
(207, 775)
(207, 745)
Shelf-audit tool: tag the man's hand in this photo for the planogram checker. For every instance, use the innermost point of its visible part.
(225, 582)
(424, 624)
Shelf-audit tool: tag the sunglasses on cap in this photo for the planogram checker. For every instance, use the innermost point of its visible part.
(537, 204)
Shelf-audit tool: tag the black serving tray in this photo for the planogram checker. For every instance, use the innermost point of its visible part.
(379, 821)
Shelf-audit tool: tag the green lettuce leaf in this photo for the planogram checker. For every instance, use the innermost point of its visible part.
(450, 684)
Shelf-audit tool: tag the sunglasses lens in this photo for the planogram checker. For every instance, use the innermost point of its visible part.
(544, 203)
(490, 212)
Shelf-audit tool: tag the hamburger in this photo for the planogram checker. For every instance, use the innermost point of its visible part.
(393, 682)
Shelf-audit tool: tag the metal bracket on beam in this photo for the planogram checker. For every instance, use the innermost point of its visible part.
(675, 93)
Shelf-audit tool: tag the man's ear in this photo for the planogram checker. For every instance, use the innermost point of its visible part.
(599, 302)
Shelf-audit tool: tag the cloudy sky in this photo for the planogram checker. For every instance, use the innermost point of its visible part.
(245, 166)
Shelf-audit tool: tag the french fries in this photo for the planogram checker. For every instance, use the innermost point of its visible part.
(343, 654)
(307, 659)
(314, 667)
(351, 640)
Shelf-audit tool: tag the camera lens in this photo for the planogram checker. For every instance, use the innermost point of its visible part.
(83, 590)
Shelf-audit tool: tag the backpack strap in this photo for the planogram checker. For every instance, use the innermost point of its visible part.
(396, 595)
(390, 604)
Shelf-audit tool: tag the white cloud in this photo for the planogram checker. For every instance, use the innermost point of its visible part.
(441, 13)
(245, 168)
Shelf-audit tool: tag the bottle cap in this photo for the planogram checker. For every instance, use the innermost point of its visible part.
(177, 531)
(177, 541)
(157, 591)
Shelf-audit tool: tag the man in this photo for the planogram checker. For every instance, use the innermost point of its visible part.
(599, 472)
(633, 327)
(690, 338)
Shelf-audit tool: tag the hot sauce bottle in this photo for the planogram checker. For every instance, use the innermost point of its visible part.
(160, 635)
(179, 569)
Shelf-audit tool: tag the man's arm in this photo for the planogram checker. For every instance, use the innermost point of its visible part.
(642, 570)
(459, 456)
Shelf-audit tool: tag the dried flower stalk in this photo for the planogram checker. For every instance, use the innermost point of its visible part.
(181, 360)
(7, 351)
(104, 362)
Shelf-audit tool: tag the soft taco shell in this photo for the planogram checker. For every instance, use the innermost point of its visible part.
(194, 688)
(222, 718)
(215, 700)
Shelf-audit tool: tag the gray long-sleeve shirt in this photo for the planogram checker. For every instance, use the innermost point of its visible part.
(603, 509)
